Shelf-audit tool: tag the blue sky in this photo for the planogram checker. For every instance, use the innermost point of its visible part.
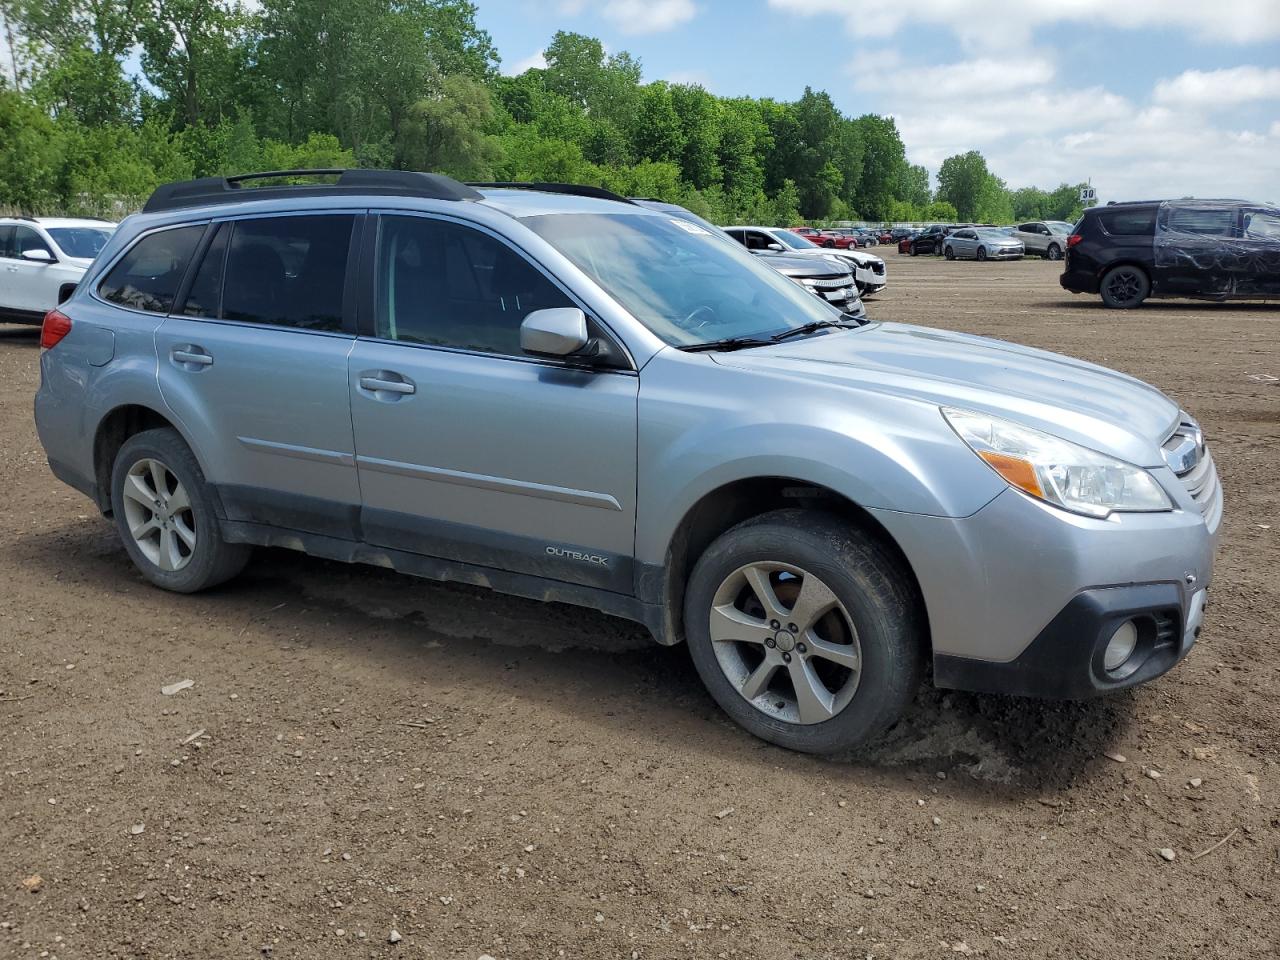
(1146, 97)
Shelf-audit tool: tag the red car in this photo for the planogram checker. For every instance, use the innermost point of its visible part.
(825, 238)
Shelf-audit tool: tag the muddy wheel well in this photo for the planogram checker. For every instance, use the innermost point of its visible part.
(733, 503)
(117, 427)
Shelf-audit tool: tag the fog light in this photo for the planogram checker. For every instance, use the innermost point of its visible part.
(1121, 645)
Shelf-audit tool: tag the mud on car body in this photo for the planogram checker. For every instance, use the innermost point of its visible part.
(562, 395)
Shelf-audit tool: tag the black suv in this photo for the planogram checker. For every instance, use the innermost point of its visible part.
(1205, 249)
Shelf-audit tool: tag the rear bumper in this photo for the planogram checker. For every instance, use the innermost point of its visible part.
(1065, 661)
(1078, 281)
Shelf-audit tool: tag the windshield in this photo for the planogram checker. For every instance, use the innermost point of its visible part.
(1059, 226)
(994, 233)
(81, 242)
(794, 240)
(678, 279)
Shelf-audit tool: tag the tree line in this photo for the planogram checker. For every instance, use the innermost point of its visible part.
(105, 99)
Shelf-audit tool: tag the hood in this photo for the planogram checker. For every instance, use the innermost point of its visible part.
(858, 256)
(794, 266)
(1078, 401)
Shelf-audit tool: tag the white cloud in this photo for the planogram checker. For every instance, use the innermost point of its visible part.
(1002, 24)
(1036, 131)
(699, 77)
(969, 78)
(535, 61)
(1214, 88)
(649, 16)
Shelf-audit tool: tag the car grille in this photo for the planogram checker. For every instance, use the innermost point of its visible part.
(1186, 454)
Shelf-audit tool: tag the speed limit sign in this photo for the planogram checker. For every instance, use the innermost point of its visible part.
(1088, 195)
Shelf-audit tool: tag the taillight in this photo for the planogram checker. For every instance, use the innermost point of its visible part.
(1073, 240)
(56, 326)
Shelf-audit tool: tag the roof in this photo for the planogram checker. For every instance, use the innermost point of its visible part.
(531, 202)
(61, 221)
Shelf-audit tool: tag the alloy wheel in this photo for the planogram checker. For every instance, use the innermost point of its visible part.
(158, 513)
(1124, 286)
(785, 642)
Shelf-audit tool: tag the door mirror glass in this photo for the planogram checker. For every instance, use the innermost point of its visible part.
(554, 332)
(38, 255)
(775, 247)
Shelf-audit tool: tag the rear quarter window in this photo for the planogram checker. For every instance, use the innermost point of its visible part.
(1129, 223)
(1204, 221)
(148, 276)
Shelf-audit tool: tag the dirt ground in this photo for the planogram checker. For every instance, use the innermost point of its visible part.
(362, 753)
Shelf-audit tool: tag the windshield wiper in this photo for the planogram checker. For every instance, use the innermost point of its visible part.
(728, 343)
(814, 327)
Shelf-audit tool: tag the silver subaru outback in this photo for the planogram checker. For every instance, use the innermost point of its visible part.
(555, 393)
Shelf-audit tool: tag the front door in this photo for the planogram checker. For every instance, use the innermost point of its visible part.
(470, 450)
(256, 366)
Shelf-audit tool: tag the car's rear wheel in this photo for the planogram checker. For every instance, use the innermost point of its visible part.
(982, 253)
(949, 253)
(915, 251)
(1124, 287)
(164, 511)
(1054, 252)
(828, 244)
(805, 630)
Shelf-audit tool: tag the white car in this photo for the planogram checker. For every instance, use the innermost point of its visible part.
(38, 256)
(868, 269)
(1045, 237)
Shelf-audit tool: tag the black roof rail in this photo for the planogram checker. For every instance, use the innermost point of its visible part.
(395, 183)
(572, 189)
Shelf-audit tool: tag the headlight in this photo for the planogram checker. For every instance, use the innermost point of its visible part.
(1072, 477)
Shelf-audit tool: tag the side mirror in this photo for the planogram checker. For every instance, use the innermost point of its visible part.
(554, 332)
(775, 247)
(39, 255)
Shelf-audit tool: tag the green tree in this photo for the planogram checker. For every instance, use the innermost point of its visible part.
(192, 54)
(699, 114)
(657, 133)
(445, 132)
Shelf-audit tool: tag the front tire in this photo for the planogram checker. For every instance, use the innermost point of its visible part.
(1124, 287)
(1054, 252)
(163, 509)
(805, 630)
(982, 253)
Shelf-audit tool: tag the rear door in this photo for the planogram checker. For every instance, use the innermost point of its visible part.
(1260, 238)
(469, 449)
(1198, 250)
(254, 363)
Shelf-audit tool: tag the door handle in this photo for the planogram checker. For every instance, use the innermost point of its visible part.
(192, 355)
(382, 383)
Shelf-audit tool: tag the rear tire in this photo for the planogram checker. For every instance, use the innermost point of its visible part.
(163, 509)
(852, 665)
(949, 253)
(1124, 287)
(914, 252)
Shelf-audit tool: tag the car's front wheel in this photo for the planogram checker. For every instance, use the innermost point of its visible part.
(805, 630)
(1124, 287)
(164, 511)
(1054, 252)
(982, 253)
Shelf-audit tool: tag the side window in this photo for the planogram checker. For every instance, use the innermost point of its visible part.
(758, 241)
(287, 271)
(147, 277)
(738, 235)
(1129, 223)
(1262, 225)
(204, 299)
(24, 239)
(1204, 221)
(6, 240)
(444, 284)
(1027, 227)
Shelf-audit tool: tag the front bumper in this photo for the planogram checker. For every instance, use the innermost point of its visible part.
(1066, 660)
(1022, 597)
